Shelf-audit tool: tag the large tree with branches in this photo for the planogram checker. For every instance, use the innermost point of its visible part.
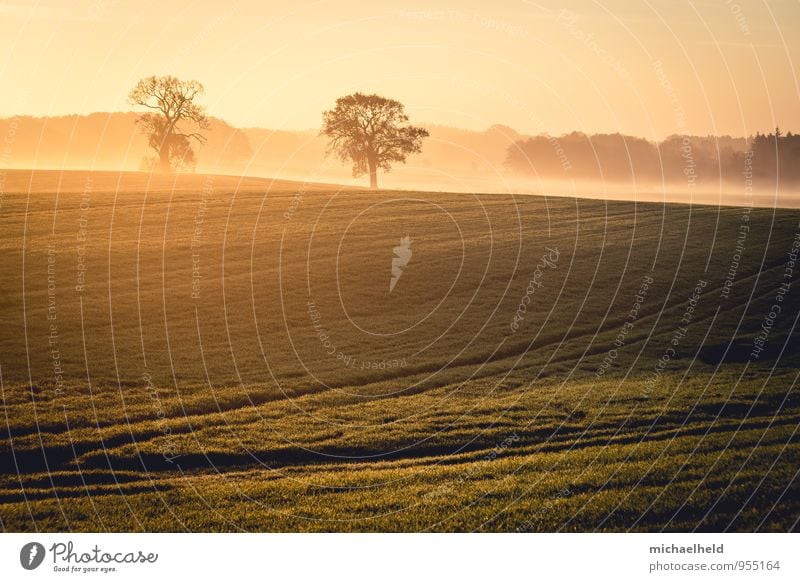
(372, 132)
(173, 121)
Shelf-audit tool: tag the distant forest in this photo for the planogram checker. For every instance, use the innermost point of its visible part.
(771, 158)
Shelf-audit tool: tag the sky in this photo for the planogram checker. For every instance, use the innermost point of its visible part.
(651, 68)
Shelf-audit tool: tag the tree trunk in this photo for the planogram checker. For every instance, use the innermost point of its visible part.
(373, 174)
(163, 156)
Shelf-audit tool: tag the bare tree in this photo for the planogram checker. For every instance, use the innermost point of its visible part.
(372, 132)
(172, 106)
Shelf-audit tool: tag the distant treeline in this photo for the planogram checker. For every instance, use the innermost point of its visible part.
(773, 157)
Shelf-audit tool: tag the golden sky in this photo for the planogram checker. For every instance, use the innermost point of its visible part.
(648, 68)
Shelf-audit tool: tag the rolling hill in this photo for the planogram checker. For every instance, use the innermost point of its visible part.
(219, 353)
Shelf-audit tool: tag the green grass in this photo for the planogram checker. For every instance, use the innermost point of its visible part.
(224, 411)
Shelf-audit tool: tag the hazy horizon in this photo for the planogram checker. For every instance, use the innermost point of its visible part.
(421, 122)
(453, 160)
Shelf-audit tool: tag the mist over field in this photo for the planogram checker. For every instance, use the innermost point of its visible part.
(498, 160)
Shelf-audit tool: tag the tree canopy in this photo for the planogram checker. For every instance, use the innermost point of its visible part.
(372, 132)
(173, 119)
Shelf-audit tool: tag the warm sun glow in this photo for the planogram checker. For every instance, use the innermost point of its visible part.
(544, 66)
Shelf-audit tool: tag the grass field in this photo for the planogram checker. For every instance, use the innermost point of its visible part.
(210, 353)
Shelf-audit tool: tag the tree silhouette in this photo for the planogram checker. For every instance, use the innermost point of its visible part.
(172, 106)
(372, 132)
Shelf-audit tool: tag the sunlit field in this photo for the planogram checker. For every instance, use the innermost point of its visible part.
(221, 354)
